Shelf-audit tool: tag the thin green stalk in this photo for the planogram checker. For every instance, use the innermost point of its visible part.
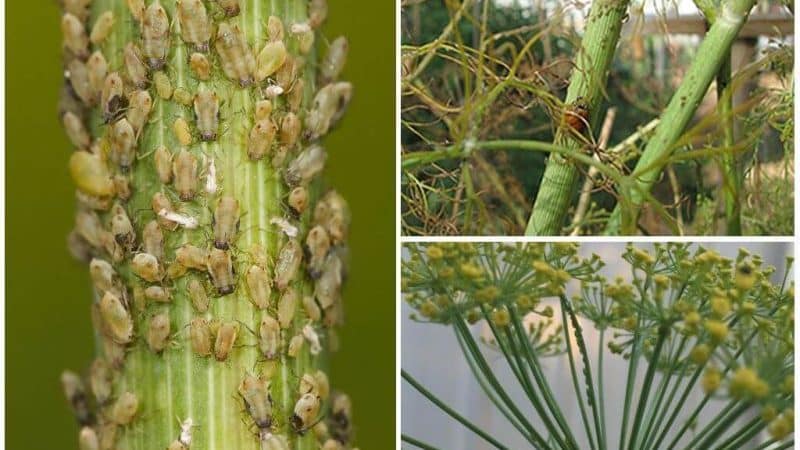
(743, 435)
(730, 164)
(718, 426)
(601, 440)
(680, 110)
(449, 411)
(417, 443)
(648, 381)
(587, 85)
(633, 364)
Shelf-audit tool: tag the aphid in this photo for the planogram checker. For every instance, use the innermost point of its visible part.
(211, 177)
(88, 226)
(97, 70)
(162, 207)
(195, 26)
(184, 169)
(305, 41)
(163, 85)
(576, 116)
(258, 284)
(80, 250)
(313, 339)
(226, 337)
(102, 27)
(158, 293)
(100, 378)
(136, 7)
(259, 255)
(78, 76)
(153, 240)
(237, 60)
(329, 282)
(122, 186)
(185, 437)
(271, 441)
(197, 293)
(110, 245)
(274, 28)
(328, 107)
(317, 13)
(295, 345)
(260, 140)
(117, 320)
(322, 384)
(78, 8)
(181, 129)
(68, 100)
(307, 385)
(298, 199)
(158, 332)
(290, 129)
(231, 7)
(113, 99)
(162, 159)
(90, 174)
(103, 275)
(270, 59)
(285, 226)
(206, 111)
(75, 392)
(263, 109)
(296, 95)
(146, 267)
(289, 259)
(269, 336)
(306, 166)
(139, 109)
(220, 268)
(289, 71)
(311, 308)
(191, 257)
(87, 439)
(226, 221)
(341, 417)
(107, 433)
(182, 96)
(200, 335)
(200, 66)
(300, 27)
(122, 228)
(273, 91)
(306, 411)
(287, 305)
(114, 353)
(334, 60)
(177, 445)
(74, 34)
(317, 243)
(333, 213)
(123, 144)
(155, 36)
(125, 408)
(257, 400)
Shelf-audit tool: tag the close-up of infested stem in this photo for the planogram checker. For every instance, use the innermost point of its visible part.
(216, 255)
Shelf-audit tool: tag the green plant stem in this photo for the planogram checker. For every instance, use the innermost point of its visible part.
(449, 411)
(633, 363)
(663, 332)
(719, 425)
(587, 84)
(681, 109)
(417, 443)
(602, 441)
(743, 435)
(730, 164)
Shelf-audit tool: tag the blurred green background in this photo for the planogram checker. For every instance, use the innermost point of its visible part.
(47, 296)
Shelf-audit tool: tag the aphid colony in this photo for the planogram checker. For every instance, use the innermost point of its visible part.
(140, 260)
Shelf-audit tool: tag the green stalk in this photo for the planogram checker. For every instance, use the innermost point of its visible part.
(178, 383)
(648, 381)
(417, 443)
(680, 111)
(587, 84)
(730, 164)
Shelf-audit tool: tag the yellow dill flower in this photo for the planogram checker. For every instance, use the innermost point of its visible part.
(525, 301)
(487, 294)
(643, 256)
(434, 252)
(500, 317)
(472, 316)
(446, 272)
(745, 276)
(717, 329)
(746, 382)
(779, 428)
(700, 353)
(720, 306)
(787, 387)
(691, 319)
(768, 413)
(747, 308)
(711, 380)
(429, 309)
(542, 266)
(662, 281)
(471, 270)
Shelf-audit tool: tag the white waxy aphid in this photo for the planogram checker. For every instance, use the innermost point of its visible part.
(334, 60)
(75, 392)
(258, 402)
(185, 173)
(306, 411)
(318, 243)
(200, 334)
(195, 24)
(136, 8)
(289, 259)
(333, 213)
(273, 91)
(270, 59)
(263, 109)
(220, 269)
(230, 7)
(146, 267)
(236, 58)
(226, 221)
(200, 66)
(328, 284)
(191, 257)
(155, 35)
(104, 277)
(313, 339)
(158, 294)
(122, 139)
(162, 159)
(311, 308)
(290, 129)
(259, 142)
(300, 27)
(163, 85)
(181, 129)
(102, 27)
(295, 345)
(271, 441)
(78, 76)
(274, 29)
(308, 164)
(317, 13)
(117, 321)
(124, 410)
(269, 337)
(206, 111)
(122, 186)
(137, 71)
(226, 337)
(74, 35)
(87, 439)
(287, 306)
(88, 226)
(153, 239)
(198, 295)
(183, 220)
(177, 445)
(113, 99)
(159, 203)
(78, 8)
(97, 70)
(185, 437)
(122, 228)
(76, 131)
(183, 96)
(328, 107)
(258, 284)
(140, 104)
(298, 199)
(285, 226)
(158, 332)
(211, 177)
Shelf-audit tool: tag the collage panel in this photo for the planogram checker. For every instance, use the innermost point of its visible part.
(596, 345)
(606, 117)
